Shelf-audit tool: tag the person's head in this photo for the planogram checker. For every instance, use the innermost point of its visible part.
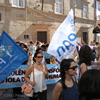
(30, 54)
(39, 50)
(47, 45)
(43, 47)
(89, 85)
(31, 42)
(22, 45)
(67, 67)
(85, 55)
(18, 43)
(96, 43)
(53, 58)
(38, 57)
(83, 43)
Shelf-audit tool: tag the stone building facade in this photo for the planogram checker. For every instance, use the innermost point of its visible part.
(26, 20)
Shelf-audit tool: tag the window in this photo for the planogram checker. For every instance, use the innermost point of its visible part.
(85, 37)
(37, 0)
(26, 36)
(59, 6)
(2, 16)
(85, 10)
(18, 3)
(99, 6)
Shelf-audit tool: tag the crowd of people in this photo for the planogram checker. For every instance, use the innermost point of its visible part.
(79, 81)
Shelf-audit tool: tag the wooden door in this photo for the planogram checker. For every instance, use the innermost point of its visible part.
(42, 36)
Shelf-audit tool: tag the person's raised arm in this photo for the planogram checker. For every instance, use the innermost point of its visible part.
(57, 91)
(75, 54)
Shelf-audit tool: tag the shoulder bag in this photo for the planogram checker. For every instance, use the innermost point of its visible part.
(28, 90)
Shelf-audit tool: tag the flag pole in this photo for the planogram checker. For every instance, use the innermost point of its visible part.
(26, 22)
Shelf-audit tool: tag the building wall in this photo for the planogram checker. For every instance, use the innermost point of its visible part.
(83, 24)
(15, 23)
(14, 19)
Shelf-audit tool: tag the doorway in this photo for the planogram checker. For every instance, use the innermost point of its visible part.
(42, 36)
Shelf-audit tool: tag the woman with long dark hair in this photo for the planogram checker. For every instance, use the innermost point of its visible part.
(89, 85)
(40, 71)
(85, 59)
(65, 89)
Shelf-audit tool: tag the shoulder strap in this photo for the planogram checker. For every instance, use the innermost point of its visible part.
(44, 67)
(33, 73)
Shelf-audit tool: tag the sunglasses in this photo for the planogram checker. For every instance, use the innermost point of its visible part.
(73, 67)
(39, 57)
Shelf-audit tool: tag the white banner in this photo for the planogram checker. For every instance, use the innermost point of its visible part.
(64, 39)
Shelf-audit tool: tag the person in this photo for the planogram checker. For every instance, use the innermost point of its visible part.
(89, 85)
(97, 48)
(38, 44)
(32, 48)
(40, 50)
(54, 60)
(85, 59)
(40, 72)
(30, 59)
(48, 56)
(65, 89)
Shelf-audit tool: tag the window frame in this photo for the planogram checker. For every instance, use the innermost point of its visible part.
(26, 36)
(85, 9)
(98, 6)
(2, 16)
(58, 12)
(23, 6)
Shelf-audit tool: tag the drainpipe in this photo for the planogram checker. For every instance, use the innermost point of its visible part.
(26, 22)
(95, 37)
(42, 5)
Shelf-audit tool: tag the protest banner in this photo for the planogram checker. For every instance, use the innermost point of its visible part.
(11, 56)
(64, 42)
(16, 79)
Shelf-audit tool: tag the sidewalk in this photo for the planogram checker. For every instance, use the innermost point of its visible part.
(7, 95)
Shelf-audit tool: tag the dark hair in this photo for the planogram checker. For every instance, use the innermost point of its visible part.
(89, 85)
(38, 49)
(96, 43)
(47, 45)
(85, 55)
(64, 66)
(43, 47)
(35, 55)
(31, 42)
(37, 43)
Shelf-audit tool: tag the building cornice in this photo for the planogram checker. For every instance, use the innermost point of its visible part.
(84, 19)
(61, 17)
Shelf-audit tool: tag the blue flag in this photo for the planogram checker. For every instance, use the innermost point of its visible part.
(11, 56)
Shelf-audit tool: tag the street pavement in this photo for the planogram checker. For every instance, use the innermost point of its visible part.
(7, 95)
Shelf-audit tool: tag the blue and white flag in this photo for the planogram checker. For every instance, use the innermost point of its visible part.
(11, 56)
(64, 42)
